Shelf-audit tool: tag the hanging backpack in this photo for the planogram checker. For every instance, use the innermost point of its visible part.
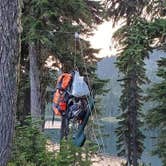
(61, 94)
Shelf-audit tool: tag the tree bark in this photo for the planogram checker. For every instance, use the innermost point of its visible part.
(133, 118)
(35, 82)
(9, 53)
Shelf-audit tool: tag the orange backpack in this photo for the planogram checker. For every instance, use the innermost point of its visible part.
(61, 96)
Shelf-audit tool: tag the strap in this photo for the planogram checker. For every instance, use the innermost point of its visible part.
(59, 82)
(53, 117)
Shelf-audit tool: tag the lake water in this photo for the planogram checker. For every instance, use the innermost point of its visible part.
(110, 144)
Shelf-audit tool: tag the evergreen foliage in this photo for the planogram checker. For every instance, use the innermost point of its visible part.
(131, 65)
(136, 39)
(71, 155)
(156, 117)
(29, 147)
(129, 10)
(47, 23)
(126, 9)
(51, 25)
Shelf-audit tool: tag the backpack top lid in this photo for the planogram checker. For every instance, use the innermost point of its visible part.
(64, 81)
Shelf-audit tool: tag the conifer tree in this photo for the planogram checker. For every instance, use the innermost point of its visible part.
(135, 37)
(42, 20)
(48, 31)
(131, 65)
(73, 155)
(137, 42)
(157, 115)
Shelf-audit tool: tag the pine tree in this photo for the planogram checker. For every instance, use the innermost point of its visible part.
(135, 38)
(131, 65)
(46, 25)
(40, 20)
(73, 155)
(129, 10)
(157, 115)
(29, 147)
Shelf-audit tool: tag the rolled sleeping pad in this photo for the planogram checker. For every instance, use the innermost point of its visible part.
(79, 137)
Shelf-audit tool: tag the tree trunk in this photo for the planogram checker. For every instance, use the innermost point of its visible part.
(9, 53)
(23, 91)
(35, 82)
(133, 117)
(43, 104)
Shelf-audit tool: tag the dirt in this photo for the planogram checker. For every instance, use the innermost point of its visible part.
(107, 160)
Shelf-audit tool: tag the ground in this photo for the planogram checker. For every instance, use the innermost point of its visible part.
(98, 160)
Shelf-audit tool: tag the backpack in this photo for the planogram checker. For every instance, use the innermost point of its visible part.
(61, 94)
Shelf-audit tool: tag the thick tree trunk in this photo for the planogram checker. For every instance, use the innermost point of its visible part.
(35, 82)
(9, 53)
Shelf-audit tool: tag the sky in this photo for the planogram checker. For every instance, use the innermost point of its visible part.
(102, 39)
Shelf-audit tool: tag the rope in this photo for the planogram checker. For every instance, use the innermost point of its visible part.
(76, 36)
(54, 31)
(95, 137)
(99, 148)
(91, 93)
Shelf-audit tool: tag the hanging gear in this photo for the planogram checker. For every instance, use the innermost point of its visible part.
(80, 120)
(61, 94)
(77, 108)
(79, 86)
(73, 109)
(74, 112)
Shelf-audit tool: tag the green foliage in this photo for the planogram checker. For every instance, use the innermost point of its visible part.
(29, 147)
(41, 19)
(131, 64)
(51, 25)
(136, 39)
(129, 10)
(156, 117)
(125, 9)
(71, 155)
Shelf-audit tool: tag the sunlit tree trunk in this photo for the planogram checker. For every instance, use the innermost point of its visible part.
(9, 53)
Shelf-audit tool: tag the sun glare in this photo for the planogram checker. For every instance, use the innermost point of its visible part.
(102, 39)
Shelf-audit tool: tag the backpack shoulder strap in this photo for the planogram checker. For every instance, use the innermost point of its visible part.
(59, 81)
